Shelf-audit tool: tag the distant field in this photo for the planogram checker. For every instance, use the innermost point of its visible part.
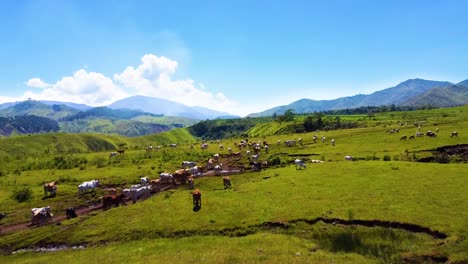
(266, 216)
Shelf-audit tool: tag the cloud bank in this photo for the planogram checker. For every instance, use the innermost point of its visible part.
(153, 77)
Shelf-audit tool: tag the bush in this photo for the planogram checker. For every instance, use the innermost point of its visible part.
(22, 194)
(387, 158)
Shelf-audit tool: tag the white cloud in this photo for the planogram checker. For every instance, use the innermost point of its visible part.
(153, 77)
(37, 83)
(84, 87)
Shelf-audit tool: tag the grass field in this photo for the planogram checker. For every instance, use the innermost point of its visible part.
(266, 216)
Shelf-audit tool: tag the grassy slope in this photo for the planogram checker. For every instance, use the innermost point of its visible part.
(433, 195)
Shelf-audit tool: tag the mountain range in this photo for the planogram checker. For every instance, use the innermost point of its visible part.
(142, 115)
(413, 92)
(167, 108)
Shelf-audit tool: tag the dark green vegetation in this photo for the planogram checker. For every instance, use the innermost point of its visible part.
(336, 211)
(31, 117)
(27, 124)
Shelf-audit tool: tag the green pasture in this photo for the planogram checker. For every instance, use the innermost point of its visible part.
(384, 182)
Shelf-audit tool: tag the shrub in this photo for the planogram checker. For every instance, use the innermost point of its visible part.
(22, 194)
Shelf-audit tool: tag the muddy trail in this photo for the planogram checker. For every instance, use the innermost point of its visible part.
(447, 153)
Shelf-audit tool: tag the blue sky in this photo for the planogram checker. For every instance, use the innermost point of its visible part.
(237, 56)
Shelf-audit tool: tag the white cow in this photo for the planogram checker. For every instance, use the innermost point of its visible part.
(166, 177)
(218, 169)
(209, 164)
(136, 193)
(333, 142)
(144, 180)
(204, 146)
(195, 171)
(300, 164)
(254, 157)
(173, 145)
(188, 164)
(350, 158)
(323, 139)
(216, 156)
(41, 216)
(221, 147)
(89, 185)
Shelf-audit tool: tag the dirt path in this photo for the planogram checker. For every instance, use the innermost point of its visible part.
(56, 219)
(87, 210)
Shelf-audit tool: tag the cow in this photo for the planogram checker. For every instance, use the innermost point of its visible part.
(226, 182)
(204, 146)
(218, 169)
(41, 216)
(195, 171)
(411, 137)
(404, 137)
(137, 193)
(300, 164)
(229, 151)
(221, 147)
(333, 142)
(180, 176)
(324, 139)
(196, 196)
(70, 212)
(188, 164)
(278, 142)
(254, 157)
(210, 164)
(266, 149)
(113, 200)
(2, 215)
(290, 143)
(430, 134)
(172, 145)
(216, 156)
(191, 182)
(454, 134)
(144, 180)
(300, 141)
(89, 185)
(112, 154)
(315, 138)
(50, 188)
(166, 177)
(349, 158)
(419, 134)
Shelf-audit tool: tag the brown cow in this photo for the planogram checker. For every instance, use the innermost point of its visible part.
(403, 137)
(196, 195)
(411, 137)
(115, 200)
(180, 176)
(454, 134)
(226, 182)
(50, 187)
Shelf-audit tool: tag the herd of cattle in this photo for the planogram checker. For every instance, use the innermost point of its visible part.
(418, 133)
(189, 170)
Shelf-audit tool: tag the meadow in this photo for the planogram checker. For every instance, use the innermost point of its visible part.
(271, 216)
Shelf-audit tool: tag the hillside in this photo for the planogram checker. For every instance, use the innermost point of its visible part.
(383, 206)
(66, 143)
(441, 97)
(123, 122)
(37, 108)
(29, 124)
(395, 95)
